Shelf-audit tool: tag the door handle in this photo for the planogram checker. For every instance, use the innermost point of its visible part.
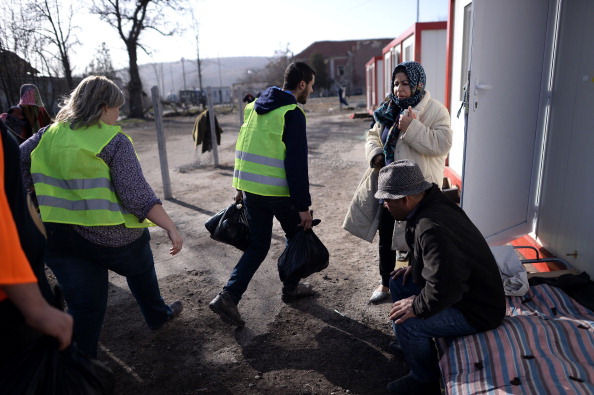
(482, 87)
(574, 254)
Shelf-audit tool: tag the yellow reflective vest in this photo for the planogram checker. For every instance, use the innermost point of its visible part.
(73, 185)
(260, 153)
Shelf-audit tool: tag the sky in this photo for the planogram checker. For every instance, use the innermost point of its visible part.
(229, 28)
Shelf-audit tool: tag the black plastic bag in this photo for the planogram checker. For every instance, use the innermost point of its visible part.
(230, 226)
(42, 369)
(305, 255)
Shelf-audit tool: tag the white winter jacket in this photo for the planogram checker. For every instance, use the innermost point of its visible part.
(427, 141)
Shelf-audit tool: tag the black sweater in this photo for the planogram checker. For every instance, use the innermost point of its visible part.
(453, 264)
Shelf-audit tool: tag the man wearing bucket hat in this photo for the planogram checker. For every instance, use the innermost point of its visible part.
(455, 289)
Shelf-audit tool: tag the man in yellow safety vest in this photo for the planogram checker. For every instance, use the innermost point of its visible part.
(271, 178)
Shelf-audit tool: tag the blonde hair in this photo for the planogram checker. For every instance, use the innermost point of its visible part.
(86, 102)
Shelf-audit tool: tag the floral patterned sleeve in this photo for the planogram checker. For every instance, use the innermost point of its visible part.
(136, 194)
(26, 148)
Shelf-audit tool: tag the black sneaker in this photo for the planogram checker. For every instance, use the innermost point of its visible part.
(302, 290)
(176, 308)
(407, 385)
(224, 306)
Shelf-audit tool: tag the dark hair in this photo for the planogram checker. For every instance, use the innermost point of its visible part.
(297, 72)
(399, 69)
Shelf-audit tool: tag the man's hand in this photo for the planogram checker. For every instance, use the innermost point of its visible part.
(54, 323)
(306, 219)
(402, 310)
(402, 271)
(39, 314)
(238, 196)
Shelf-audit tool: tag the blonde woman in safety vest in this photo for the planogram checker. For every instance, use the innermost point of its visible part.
(271, 177)
(96, 206)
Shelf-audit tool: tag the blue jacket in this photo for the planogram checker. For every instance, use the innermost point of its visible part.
(295, 139)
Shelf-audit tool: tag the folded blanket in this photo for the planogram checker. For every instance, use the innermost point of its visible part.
(513, 272)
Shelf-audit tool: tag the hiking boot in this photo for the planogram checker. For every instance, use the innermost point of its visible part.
(226, 308)
(302, 290)
(407, 385)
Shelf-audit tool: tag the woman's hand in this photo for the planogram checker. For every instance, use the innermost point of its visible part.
(177, 241)
(378, 161)
(405, 119)
(159, 216)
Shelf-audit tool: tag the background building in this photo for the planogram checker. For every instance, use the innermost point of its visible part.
(344, 61)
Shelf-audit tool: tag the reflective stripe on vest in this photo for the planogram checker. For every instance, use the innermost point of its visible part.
(259, 178)
(260, 153)
(88, 204)
(72, 184)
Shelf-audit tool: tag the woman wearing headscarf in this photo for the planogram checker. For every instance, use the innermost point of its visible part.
(28, 116)
(409, 124)
(96, 206)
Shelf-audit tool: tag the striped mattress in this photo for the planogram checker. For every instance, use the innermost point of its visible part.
(545, 345)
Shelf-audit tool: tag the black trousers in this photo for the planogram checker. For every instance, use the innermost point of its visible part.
(387, 256)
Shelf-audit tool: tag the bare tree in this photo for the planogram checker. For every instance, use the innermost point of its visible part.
(58, 30)
(130, 18)
(101, 64)
(196, 28)
(275, 69)
(18, 44)
(27, 55)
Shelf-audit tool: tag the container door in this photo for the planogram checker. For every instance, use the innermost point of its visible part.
(565, 215)
(508, 59)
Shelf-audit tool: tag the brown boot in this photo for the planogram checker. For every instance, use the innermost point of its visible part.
(224, 306)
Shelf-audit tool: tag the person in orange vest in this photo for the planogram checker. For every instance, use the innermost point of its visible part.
(25, 312)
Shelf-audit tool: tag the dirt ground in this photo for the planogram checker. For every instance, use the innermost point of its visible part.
(333, 343)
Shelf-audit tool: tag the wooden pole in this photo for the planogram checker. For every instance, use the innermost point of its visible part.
(213, 133)
(161, 141)
(239, 105)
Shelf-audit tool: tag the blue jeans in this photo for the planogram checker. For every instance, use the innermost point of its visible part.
(416, 335)
(81, 268)
(261, 210)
